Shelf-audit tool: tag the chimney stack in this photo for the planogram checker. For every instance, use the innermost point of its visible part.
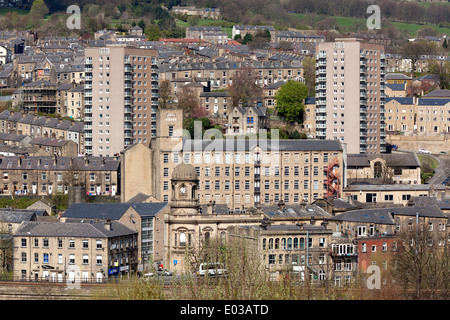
(108, 225)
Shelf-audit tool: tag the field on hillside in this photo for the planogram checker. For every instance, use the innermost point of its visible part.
(4, 11)
(208, 22)
(352, 24)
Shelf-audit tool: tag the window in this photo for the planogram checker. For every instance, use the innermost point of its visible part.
(272, 258)
(23, 242)
(362, 231)
(85, 244)
(71, 243)
(85, 259)
(45, 258)
(71, 259)
(321, 242)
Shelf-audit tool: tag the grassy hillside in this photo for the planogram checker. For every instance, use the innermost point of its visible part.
(226, 26)
(4, 11)
(353, 24)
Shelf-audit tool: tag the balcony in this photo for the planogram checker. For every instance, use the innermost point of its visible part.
(321, 94)
(321, 55)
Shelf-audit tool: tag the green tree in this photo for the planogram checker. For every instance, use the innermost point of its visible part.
(309, 73)
(290, 100)
(152, 32)
(39, 9)
(247, 38)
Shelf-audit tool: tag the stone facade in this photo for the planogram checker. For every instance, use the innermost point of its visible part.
(51, 175)
(84, 252)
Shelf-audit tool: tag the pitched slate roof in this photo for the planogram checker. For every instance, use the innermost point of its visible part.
(385, 215)
(433, 101)
(62, 163)
(295, 210)
(269, 145)
(401, 100)
(400, 76)
(396, 86)
(17, 216)
(439, 93)
(392, 160)
(113, 211)
(80, 229)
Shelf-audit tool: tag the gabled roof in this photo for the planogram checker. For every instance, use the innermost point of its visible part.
(397, 76)
(385, 215)
(80, 229)
(113, 211)
(433, 101)
(401, 100)
(441, 93)
(396, 86)
(269, 145)
(392, 159)
(17, 216)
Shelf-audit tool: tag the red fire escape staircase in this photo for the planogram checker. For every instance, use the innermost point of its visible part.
(333, 179)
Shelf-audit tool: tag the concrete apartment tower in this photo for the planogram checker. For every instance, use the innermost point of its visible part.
(121, 97)
(350, 94)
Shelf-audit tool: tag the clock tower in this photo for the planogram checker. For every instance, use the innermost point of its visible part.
(184, 198)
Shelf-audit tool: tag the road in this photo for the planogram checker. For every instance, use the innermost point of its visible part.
(442, 171)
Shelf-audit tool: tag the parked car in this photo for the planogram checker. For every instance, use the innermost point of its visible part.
(165, 273)
(212, 269)
(425, 151)
(442, 152)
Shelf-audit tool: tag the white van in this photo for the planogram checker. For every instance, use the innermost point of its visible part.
(212, 268)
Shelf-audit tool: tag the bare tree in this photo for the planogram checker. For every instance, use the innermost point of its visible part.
(422, 263)
(187, 101)
(165, 94)
(244, 87)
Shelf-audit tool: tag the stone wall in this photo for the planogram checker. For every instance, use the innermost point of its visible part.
(435, 144)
